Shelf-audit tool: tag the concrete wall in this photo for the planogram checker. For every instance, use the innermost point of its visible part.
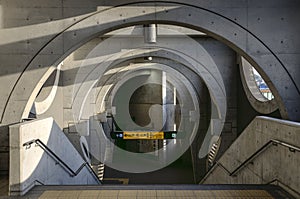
(225, 59)
(30, 166)
(34, 37)
(49, 101)
(277, 162)
(20, 49)
(4, 150)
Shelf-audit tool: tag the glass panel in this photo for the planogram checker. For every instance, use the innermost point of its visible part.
(262, 85)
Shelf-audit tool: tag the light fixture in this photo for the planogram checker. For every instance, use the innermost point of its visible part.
(148, 58)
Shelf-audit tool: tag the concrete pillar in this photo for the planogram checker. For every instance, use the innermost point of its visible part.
(150, 33)
(169, 104)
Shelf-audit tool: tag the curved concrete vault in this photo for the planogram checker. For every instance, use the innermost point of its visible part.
(204, 66)
(196, 73)
(222, 28)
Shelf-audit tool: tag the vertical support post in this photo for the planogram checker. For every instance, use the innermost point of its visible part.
(150, 33)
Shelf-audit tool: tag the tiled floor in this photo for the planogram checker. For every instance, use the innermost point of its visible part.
(81, 193)
(149, 194)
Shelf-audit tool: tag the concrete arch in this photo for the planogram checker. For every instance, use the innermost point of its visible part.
(184, 87)
(204, 66)
(238, 37)
(173, 153)
(215, 86)
(42, 106)
(156, 59)
(210, 75)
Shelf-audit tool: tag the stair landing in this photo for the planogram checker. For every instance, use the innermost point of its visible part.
(158, 192)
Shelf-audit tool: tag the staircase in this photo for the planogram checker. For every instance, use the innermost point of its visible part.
(266, 152)
(238, 168)
(213, 153)
(100, 171)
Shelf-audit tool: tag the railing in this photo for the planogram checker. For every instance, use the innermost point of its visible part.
(272, 142)
(100, 171)
(285, 186)
(213, 153)
(60, 161)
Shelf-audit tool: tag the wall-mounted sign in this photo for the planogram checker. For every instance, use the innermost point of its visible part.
(143, 135)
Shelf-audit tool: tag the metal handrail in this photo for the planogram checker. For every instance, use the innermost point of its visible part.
(284, 186)
(60, 161)
(272, 142)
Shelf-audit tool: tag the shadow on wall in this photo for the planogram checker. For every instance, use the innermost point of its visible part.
(56, 53)
(16, 13)
(4, 150)
(36, 166)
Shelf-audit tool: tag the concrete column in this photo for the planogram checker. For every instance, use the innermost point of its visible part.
(169, 102)
(156, 112)
(150, 33)
(164, 97)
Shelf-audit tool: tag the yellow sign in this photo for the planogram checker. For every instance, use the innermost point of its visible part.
(143, 135)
